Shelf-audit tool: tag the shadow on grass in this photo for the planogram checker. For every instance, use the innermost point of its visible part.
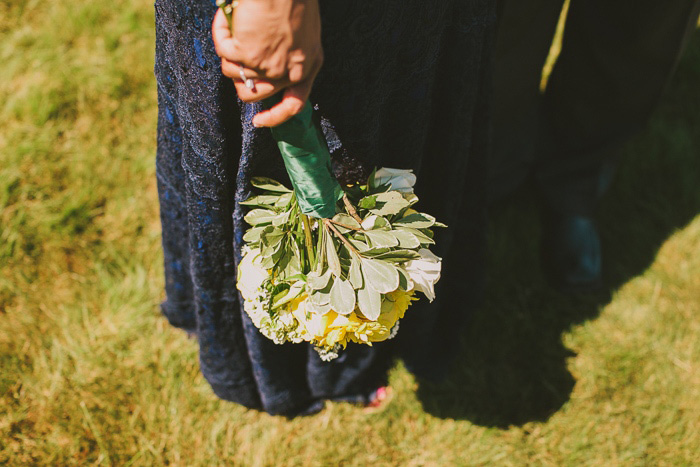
(512, 368)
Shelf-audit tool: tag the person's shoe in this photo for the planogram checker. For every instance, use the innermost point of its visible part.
(379, 399)
(571, 253)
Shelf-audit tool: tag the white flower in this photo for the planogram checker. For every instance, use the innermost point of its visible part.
(328, 353)
(255, 307)
(250, 274)
(425, 272)
(399, 179)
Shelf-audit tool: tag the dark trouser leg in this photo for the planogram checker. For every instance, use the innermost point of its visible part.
(616, 58)
(524, 37)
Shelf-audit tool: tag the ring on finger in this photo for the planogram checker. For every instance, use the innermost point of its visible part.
(248, 81)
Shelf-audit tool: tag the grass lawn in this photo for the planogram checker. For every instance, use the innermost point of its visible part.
(90, 373)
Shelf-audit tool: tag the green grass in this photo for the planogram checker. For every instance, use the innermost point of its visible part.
(90, 373)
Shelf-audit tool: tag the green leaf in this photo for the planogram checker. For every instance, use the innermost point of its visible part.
(267, 252)
(323, 296)
(284, 261)
(320, 308)
(344, 254)
(358, 244)
(397, 256)
(320, 300)
(375, 222)
(382, 277)
(332, 255)
(411, 198)
(278, 293)
(355, 193)
(267, 262)
(284, 200)
(406, 239)
(368, 202)
(296, 277)
(422, 238)
(269, 184)
(381, 239)
(389, 203)
(258, 217)
(271, 236)
(416, 221)
(316, 281)
(355, 273)
(279, 250)
(370, 303)
(294, 291)
(404, 279)
(294, 266)
(371, 183)
(374, 251)
(346, 220)
(281, 218)
(391, 197)
(342, 297)
(275, 248)
(262, 201)
(252, 235)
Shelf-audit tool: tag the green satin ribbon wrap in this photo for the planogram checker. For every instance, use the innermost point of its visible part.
(308, 162)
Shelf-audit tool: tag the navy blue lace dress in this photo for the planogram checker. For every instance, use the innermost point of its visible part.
(405, 84)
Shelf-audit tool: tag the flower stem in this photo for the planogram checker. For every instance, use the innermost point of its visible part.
(328, 223)
(345, 226)
(321, 247)
(308, 240)
(228, 12)
(351, 209)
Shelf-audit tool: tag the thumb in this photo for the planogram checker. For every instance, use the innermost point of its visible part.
(292, 103)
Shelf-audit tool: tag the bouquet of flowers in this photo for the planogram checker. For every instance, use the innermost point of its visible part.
(326, 264)
(330, 281)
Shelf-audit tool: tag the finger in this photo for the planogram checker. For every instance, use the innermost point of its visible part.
(233, 71)
(262, 90)
(292, 103)
(223, 39)
(300, 70)
(296, 73)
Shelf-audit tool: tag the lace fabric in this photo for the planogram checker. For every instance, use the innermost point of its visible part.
(391, 66)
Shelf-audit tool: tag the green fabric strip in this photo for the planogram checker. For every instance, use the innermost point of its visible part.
(308, 162)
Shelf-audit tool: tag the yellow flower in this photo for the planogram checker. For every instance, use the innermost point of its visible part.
(394, 306)
(335, 336)
(362, 331)
(321, 330)
(332, 329)
(297, 308)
